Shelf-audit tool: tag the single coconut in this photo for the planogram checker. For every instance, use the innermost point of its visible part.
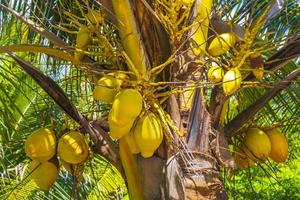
(258, 144)
(106, 89)
(215, 74)
(83, 37)
(221, 44)
(127, 104)
(148, 134)
(118, 130)
(279, 145)
(232, 81)
(73, 148)
(44, 174)
(108, 86)
(41, 145)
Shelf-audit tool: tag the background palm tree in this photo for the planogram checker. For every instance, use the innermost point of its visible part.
(165, 31)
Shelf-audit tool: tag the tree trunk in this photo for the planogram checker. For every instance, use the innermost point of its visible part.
(191, 175)
(201, 175)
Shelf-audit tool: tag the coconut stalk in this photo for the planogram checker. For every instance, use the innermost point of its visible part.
(136, 57)
(130, 166)
(129, 34)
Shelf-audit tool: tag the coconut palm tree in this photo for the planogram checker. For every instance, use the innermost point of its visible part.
(53, 53)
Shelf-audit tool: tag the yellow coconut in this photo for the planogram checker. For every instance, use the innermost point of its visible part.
(279, 145)
(127, 104)
(115, 118)
(148, 134)
(130, 139)
(221, 44)
(232, 81)
(41, 145)
(258, 144)
(106, 89)
(108, 86)
(82, 40)
(215, 74)
(116, 130)
(44, 174)
(73, 148)
(241, 158)
(83, 37)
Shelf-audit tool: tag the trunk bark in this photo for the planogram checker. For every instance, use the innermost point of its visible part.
(201, 173)
(193, 174)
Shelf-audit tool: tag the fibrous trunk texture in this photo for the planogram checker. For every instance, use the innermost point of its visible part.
(201, 173)
(191, 175)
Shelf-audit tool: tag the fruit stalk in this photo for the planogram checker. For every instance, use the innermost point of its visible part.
(224, 112)
(130, 166)
(129, 34)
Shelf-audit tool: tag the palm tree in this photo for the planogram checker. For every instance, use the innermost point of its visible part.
(50, 67)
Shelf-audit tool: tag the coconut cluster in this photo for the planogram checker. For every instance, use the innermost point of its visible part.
(258, 145)
(127, 118)
(43, 148)
(84, 35)
(232, 78)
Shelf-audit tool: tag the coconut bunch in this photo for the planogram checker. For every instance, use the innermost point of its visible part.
(84, 36)
(40, 146)
(43, 148)
(231, 78)
(127, 118)
(258, 145)
(86, 25)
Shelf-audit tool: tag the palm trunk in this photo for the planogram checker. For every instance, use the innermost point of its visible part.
(203, 181)
(176, 179)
